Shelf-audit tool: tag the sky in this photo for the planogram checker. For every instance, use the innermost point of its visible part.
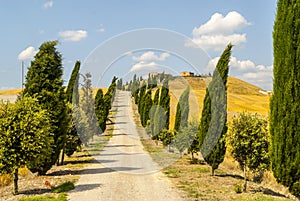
(126, 37)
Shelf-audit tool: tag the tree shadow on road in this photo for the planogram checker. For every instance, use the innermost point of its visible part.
(85, 187)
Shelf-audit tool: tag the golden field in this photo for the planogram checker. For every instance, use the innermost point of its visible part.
(241, 96)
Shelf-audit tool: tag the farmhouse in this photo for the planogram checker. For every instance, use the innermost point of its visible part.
(187, 74)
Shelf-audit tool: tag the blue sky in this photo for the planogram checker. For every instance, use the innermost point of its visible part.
(82, 26)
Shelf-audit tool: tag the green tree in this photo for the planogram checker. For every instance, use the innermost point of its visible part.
(213, 125)
(249, 143)
(100, 109)
(25, 136)
(146, 108)
(44, 81)
(285, 101)
(156, 97)
(72, 90)
(182, 110)
(185, 136)
(72, 141)
(164, 102)
(87, 105)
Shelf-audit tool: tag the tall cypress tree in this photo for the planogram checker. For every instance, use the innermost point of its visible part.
(213, 125)
(44, 81)
(164, 102)
(285, 101)
(72, 90)
(182, 110)
(146, 108)
(100, 110)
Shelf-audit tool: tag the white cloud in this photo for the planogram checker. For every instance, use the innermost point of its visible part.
(48, 4)
(151, 56)
(73, 35)
(101, 30)
(247, 70)
(144, 66)
(28, 53)
(219, 31)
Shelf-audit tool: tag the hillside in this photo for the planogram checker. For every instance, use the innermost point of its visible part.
(242, 96)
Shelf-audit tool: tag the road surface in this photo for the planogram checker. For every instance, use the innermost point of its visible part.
(124, 171)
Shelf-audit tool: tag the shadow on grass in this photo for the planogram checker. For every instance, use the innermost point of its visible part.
(268, 191)
(235, 176)
(36, 191)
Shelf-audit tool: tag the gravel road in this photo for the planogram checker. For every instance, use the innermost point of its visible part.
(124, 171)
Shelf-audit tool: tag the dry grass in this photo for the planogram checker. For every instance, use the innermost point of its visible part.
(241, 95)
(10, 92)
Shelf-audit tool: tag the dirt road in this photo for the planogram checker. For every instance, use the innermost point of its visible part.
(125, 171)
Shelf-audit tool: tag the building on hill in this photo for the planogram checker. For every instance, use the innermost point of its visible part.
(187, 74)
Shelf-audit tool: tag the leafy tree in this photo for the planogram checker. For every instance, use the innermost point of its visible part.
(25, 136)
(166, 137)
(185, 136)
(182, 110)
(285, 101)
(249, 142)
(72, 90)
(213, 125)
(44, 81)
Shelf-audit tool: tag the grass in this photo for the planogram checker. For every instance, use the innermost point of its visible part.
(242, 96)
(64, 187)
(60, 197)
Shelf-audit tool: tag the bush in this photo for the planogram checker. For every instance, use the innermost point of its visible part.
(295, 190)
(238, 188)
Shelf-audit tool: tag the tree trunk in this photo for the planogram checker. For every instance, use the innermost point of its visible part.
(62, 157)
(245, 179)
(16, 178)
(212, 171)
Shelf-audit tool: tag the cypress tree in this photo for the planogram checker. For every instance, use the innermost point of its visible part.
(72, 90)
(44, 81)
(285, 101)
(146, 108)
(156, 97)
(213, 125)
(72, 96)
(165, 102)
(182, 110)
(100, 110)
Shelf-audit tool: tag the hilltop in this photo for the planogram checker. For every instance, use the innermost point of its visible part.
(242, 96)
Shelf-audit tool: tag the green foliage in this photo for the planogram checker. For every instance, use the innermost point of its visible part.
(72, 90)
(182, 110)
(185, 137)
(72, 139)
(164, 102)
(64, 187)
(166, 136)
(87, 105)
(285, 101)
(146, 108)
(25, 136)
(156, 97)
(249, 142)
(213, 125)
(44, 81)
(61, 197)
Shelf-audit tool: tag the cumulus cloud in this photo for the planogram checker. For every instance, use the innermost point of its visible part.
(151, 56)
(73, 35)
(28, 53)
(220, 30)
(247, 70)
(48, 4)
(144, 66)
